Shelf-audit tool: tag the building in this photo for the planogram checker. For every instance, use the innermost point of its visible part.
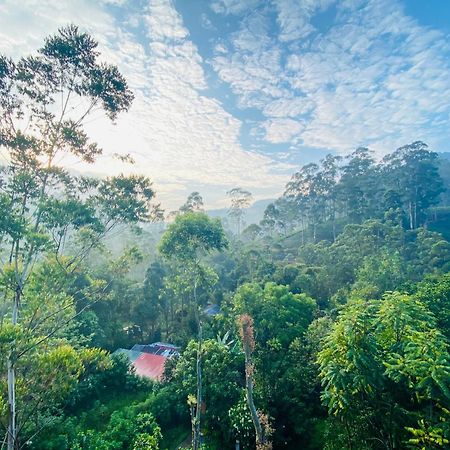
(148, 360)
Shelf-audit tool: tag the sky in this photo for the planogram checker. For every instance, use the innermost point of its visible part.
(243, 92)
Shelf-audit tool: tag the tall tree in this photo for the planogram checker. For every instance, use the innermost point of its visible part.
(194, 203)
(329, 179)
(306, 189)
(413, 172)
(260, 421)
(190, 237)
(359, 186)
(44, 102)
(240, 200)
(280, 216)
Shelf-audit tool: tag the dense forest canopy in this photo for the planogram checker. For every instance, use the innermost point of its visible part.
(325, 326)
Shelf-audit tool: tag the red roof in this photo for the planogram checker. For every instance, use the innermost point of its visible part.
(150, 365)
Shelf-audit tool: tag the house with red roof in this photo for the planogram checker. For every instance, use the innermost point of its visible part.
(148, 360)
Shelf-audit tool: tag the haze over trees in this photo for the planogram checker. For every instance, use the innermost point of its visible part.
(325, 326)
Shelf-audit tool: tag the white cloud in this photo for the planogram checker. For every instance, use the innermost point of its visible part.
(233, 6)
(370, 75)
(367, 75)
(178, 136)
(253, 68)
(282, 130)
(288, 107)
(164, 22)
(206, 22)
(294, 17)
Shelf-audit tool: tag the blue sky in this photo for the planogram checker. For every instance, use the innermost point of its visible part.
(240, 93)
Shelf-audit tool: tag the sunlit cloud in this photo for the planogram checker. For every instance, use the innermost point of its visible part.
(178, 136)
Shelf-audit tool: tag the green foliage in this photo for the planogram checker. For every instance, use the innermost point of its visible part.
(435, 293)
(191, 235)
(126, 430)
(241, 423)
(54, 218)
(193, 203)
(284, 374)
(240, 199)
(276, 311)
(382, 367)
(222, 373)
(404, 185)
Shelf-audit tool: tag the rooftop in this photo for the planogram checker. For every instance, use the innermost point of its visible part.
(148, 360)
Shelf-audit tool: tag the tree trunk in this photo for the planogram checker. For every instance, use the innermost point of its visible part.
(196, 441)
(334, 228)
(12, 433)
(303, 232)
(415, 215)
(12, 426)
(261, 440)
(196, 444)
(411, 226)
(249, 397)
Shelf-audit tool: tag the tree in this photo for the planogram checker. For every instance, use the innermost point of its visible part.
(44, 102)
(277, 313)
(306, 191)
(359, 186)
(222, 381)
(186, 242)
(412, 171)
(240, 199)
(379, 272)
(260, 421)
(191, 236)
(281, 215)
(153, 299)
(329, 178)
(385, 373)
(280, 320)
(434, 292)
(194, 203)
(127, 429)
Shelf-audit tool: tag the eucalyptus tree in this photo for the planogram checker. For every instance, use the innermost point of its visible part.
(359, 186)
(330, 172)
(412, 172)
(307, 191)
(280, 216)
(194, 203)
(240, 200)
(45, 101)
